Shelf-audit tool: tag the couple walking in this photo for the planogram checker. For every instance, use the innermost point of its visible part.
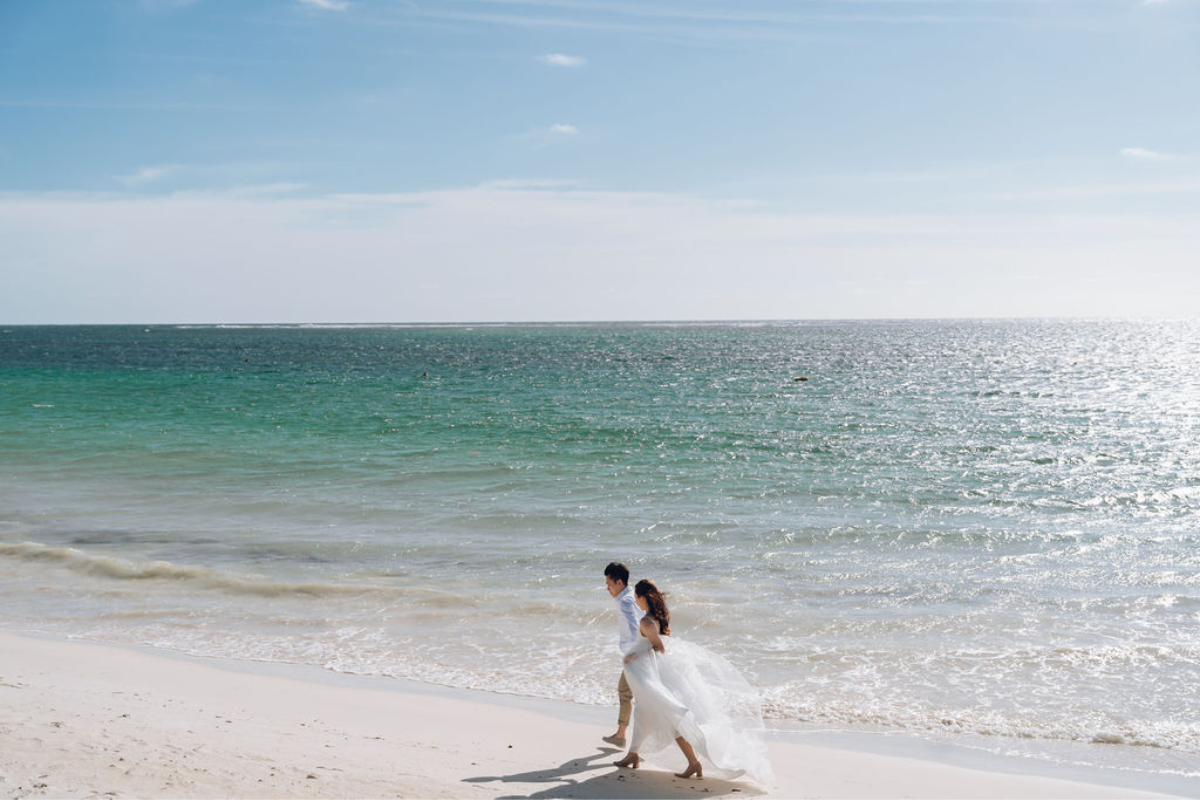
(674, 691)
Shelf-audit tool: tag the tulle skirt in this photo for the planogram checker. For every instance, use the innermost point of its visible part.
(694, 693)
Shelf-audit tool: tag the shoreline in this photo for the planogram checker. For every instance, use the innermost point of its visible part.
(82, 718)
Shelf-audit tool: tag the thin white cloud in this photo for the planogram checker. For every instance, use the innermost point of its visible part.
(148, 175)
(261, 189)
(547, 136)
(722, 23)
(562, 60)
(163, 6)
(326, 5)
(631, 255)
(529, 184)
(1142, 154)
(1180, 186)
(107, 105)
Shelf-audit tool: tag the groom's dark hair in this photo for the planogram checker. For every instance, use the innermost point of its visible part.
(618, 572)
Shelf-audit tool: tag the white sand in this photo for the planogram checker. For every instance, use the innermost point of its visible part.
(89, 720)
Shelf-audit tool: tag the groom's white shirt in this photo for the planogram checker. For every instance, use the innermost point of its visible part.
(629, 617)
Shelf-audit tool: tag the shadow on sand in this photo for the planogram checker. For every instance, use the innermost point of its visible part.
(595, 777)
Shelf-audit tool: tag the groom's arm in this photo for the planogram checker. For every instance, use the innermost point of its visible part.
(629, 624)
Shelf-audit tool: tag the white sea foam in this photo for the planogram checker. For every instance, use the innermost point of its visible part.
(204, 578)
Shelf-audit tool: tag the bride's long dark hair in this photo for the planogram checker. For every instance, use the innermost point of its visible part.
(656, 605)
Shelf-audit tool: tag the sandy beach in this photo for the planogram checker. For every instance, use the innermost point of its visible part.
(89, 720)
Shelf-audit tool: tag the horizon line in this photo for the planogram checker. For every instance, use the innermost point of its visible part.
(606, 323)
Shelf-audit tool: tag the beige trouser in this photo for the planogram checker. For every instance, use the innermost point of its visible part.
(626, 695)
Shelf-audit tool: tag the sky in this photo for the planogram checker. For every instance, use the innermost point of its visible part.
(307, 161)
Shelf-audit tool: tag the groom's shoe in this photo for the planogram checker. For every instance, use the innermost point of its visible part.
(617, 741)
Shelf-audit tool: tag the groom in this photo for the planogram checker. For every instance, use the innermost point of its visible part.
(616, 578)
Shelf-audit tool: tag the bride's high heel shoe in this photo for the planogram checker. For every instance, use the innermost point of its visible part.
(633, 761)
(696, 769)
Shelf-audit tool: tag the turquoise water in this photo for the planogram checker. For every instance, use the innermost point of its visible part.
(982, 530)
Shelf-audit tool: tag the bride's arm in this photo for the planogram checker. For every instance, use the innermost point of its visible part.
(650, 631)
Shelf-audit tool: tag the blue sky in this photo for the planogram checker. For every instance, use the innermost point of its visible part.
(471, 160)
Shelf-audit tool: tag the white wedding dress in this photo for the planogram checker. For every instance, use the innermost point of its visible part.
(691, 692)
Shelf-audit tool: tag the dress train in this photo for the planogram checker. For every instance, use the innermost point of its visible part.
(692, 692)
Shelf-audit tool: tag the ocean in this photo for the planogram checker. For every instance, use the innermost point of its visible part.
(983, 532)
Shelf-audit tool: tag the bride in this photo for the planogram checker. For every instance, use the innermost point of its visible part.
(686, 694)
